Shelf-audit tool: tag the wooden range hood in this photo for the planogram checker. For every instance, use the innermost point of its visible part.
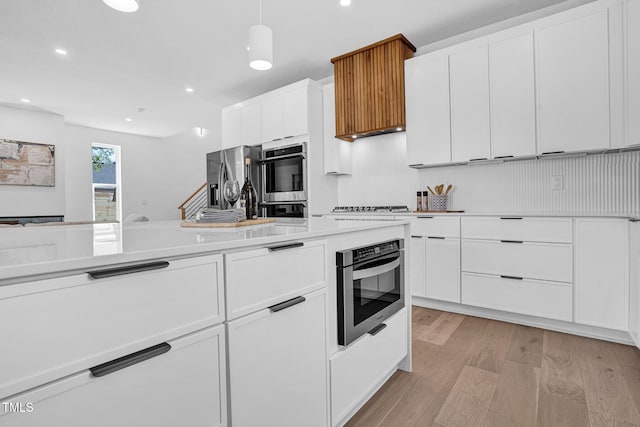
(369, 88)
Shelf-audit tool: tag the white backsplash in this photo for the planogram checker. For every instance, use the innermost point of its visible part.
(602, 183)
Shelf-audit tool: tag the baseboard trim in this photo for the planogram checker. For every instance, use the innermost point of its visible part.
(621, 337)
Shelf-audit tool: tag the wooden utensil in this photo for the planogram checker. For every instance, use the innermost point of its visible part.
(448, 189)
(432, 192)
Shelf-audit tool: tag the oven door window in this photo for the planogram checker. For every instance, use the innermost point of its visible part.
(283, 176)
(376, 285)
(285, 211)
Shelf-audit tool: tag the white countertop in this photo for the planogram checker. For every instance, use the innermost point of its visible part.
(624, 215)
(27, 251)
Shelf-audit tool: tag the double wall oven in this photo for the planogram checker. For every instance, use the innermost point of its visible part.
(370, 288)
(284, 177)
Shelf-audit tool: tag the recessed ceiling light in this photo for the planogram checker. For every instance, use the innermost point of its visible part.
(128, 120)
(345, 2)
(123, 5)
(25, 100)
(61, 51)
(189, 89)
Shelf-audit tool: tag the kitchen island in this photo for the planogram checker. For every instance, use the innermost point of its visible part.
(154, 324)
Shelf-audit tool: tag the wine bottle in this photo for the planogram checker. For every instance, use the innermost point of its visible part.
(249, 198)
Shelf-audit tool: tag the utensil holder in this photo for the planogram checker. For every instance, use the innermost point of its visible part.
(438, 202)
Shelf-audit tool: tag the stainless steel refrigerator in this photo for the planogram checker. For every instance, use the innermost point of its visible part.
(229, 165)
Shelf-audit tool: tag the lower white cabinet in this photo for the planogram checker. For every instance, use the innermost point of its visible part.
(278, 365)
(358, 368)
(602, 272)
(183, 386)
(417, 268)
(442, 270)
(634, 282)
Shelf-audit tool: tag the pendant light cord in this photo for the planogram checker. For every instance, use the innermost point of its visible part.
(260, 12)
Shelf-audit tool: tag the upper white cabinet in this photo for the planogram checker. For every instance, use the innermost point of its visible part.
(470, 130)
(512, 94)
(337, 153)
(632, 47)
(295, 110)
(232, 126)
(427, 110)
(271, 119)
(602, 272)
(572, 75)
(250, 122)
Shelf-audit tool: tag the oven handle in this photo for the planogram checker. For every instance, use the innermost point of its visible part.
(286, 156)
(375, 271)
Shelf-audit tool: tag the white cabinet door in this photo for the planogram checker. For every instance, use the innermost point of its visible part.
(512, 94)
(417, 272)
(427, 111)
(250, 124)
(443, 269)
(470, 129)
(632, 37)
(337, 153)
(271, 124)
(602, 272)
(295, 112)
(634, 282)
(572, 73)
(278, 366)
(231, 127)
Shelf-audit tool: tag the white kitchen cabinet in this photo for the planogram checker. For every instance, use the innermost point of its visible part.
(528, 229)
(337, 153)
(231, 127)
(417, 266)
(602, 272)
(572, 80)
(632, 50)
(183, 386)
(427, 110)
(278, 366)
(443, 269)
(271, 119)
(436, 225)
(470, 119)
(634, 281)
(295, 110)
(512, 95)
(250, 121)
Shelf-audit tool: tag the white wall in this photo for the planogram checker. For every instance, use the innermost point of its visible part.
(603, 183)
(32, 126)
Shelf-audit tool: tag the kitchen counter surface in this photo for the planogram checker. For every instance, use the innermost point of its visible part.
(30, 251)
(409, 215)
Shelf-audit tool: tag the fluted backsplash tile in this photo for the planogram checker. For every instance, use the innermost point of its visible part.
(600, 183)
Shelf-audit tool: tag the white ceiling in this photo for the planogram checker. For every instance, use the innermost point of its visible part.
(119, 62)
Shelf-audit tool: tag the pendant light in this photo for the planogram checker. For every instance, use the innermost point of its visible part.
(260, 46)
(123, 5)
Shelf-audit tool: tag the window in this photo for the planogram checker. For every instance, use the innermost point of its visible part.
(107, 194)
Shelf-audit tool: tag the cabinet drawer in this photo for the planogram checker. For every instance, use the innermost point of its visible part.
(64, 325)
(435, 226)
(552, 300)
(185, 386)
(550, 230)
(356, 369)
(262, 277)
(542, 261)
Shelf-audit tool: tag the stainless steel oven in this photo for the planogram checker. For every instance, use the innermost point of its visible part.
(370, 288)
(284, 173)
(284, 209)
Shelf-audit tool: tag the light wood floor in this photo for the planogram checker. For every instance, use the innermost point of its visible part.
(469, 371)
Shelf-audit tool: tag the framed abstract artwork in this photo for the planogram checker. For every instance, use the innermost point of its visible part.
(27, 163)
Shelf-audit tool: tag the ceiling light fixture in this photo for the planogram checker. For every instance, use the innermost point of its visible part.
(61, 51)
(260, 46)
(188, 89)
(25, 100)
(123, 5)
(345, 2)
(128, 120)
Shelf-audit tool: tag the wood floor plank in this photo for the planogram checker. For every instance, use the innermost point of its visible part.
(441, 329)
(515, 401)
(561, 374)
(626, 355)
(491, 351)
(632, 379)
(606, 391)
(558, 411)
(526, 345)
(598, 420)
(424, 316)
(470, 398)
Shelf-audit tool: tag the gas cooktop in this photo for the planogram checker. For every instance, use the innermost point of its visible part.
(369, 209)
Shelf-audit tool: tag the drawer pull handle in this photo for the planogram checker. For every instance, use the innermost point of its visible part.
(634, 220)
(551, 153)
(511, 241)
(286, 304)
(478, 159)
(511, 277)
(416, 237)
(425, 217)
(503, 157)
(285, 247)
(130, 360)
(510, 217)
(416, 165)
(119, 271)
(435, 237)
(377, 329)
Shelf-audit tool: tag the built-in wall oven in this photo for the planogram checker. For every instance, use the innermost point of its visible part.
(284, 209)
(284, 173)
(370, 288)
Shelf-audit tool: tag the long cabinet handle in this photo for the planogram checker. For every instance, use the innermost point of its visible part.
(435, 237)
(510, 217)
(478, 159)
(286, 304)
(511, 277)
(511, 241)
(424, 217)
(551, 153)
(285, 247)
(503, 157)
(377, 329)
(130, 360)
(416, 165)
(119, 271)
